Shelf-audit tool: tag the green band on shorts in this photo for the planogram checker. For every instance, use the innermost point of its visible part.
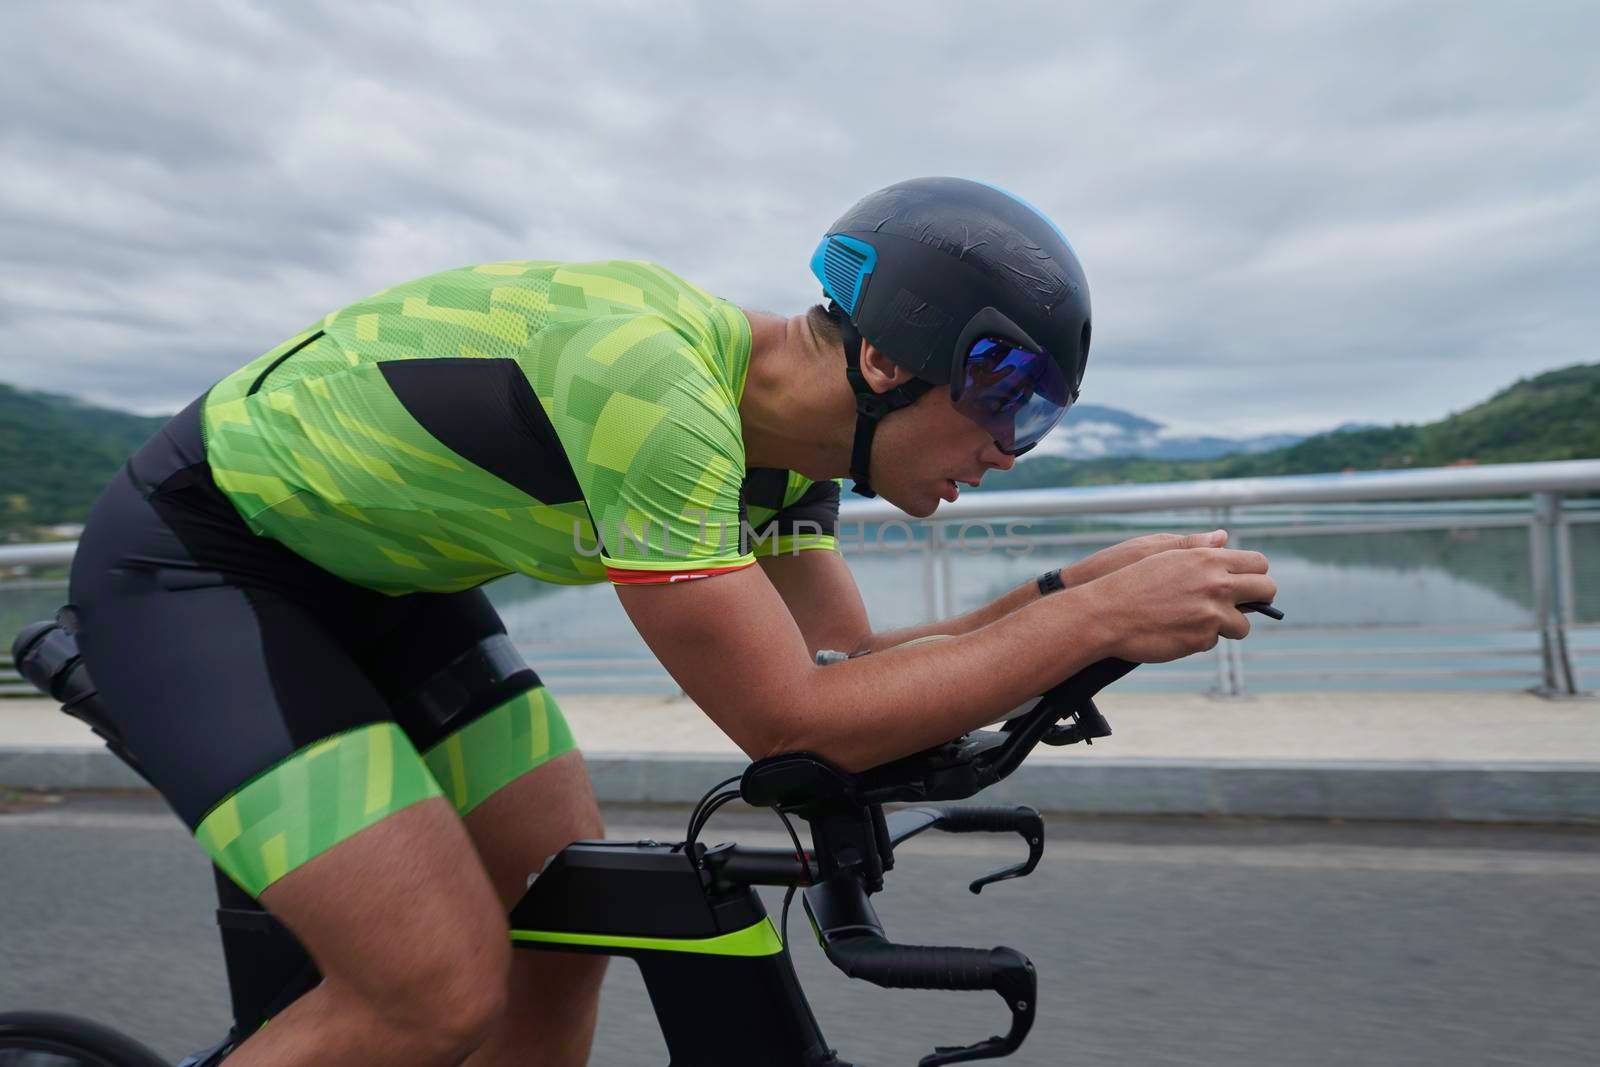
(498, 747)
(313, 800)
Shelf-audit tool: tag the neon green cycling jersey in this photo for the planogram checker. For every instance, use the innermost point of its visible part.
(569, 421)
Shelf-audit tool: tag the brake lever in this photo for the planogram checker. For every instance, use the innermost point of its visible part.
(1021, 820)
(1087, 724)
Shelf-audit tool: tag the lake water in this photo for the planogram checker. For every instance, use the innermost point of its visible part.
(1352, 602)
(1455, 601)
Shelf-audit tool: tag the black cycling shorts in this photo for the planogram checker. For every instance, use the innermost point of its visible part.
(278, 708)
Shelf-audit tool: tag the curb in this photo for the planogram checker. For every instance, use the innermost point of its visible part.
(1524, 792)
(65, 767)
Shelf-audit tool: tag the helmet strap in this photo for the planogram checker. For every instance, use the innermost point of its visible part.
(871, 406)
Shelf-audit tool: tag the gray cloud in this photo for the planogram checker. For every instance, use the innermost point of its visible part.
(1291, 215)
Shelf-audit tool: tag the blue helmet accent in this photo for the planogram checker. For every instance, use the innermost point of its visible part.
(842, 265)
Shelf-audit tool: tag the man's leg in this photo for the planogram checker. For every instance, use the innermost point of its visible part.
(403, 923)
(553, 996)
(495, 741)
(245, 709)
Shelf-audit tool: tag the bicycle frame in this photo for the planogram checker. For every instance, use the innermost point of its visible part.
(719, 976)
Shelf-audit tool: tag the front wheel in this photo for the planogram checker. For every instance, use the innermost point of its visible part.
(45, 1039)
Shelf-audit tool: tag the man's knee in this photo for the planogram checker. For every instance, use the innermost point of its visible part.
(404, 923)
(456, 992)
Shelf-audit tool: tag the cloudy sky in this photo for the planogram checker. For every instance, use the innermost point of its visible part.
(1292, 215)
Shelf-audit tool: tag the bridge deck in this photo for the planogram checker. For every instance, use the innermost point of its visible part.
(1468, 727)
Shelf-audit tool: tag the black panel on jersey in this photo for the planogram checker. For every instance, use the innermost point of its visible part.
(818, 504)
(817, 508)
(485, 411)
(764, 487)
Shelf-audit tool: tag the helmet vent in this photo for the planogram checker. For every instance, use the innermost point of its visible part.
(845, 269)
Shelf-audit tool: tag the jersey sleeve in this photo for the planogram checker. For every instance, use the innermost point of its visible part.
(788, 513)
(652, 432)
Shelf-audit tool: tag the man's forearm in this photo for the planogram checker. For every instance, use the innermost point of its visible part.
(996, 609)
(934, 691)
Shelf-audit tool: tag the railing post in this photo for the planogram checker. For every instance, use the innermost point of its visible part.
(930, 584)
(1235, 648)
(1224, 653)
(1566, 590)
(1549, 582)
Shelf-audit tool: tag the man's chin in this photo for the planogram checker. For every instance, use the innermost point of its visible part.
(916, 505)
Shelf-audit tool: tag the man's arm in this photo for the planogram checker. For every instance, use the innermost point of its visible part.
(821, 593)
(734, 647)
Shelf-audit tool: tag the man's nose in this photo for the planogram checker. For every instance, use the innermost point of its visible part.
(992, 456)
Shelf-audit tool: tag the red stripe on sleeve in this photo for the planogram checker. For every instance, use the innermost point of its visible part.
(618, 576)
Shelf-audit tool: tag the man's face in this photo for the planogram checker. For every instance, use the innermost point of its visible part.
(922, 454)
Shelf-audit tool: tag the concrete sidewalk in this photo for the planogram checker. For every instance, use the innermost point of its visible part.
(1479, 756)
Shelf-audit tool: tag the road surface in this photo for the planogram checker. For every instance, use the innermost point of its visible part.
(1158, 942)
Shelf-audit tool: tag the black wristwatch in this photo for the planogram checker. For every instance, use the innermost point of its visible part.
(1050, 582)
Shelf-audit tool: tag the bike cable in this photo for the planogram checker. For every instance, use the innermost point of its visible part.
(799, 853)
(788, 897)
(704, 816)
(694, 816)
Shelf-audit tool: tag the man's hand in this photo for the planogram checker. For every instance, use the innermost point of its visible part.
(1178, 602)
(1119, 556)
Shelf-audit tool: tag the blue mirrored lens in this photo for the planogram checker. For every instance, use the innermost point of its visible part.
(1017, 395)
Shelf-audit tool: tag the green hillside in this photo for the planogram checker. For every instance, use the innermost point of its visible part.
(56, 454)
(1553, 416)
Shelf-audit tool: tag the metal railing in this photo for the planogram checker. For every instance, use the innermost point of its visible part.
(1509, 497)
(1222, 502)
(11, 683)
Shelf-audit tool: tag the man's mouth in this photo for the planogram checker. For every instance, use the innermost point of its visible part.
(952, 487)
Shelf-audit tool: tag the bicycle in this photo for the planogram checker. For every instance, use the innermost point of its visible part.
(718, 972)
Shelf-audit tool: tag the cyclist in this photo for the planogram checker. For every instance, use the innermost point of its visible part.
(278, 596)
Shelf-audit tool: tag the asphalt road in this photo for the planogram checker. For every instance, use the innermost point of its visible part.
(1157, 942)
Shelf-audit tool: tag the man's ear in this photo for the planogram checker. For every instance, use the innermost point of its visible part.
(879, 370)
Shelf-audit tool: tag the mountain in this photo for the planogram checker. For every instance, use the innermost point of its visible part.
(57, 453)
(1555, 415)
(1093, 431)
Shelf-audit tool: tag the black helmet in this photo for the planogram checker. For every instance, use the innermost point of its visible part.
(928, 268)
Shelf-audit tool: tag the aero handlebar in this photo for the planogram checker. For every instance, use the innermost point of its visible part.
(854, 844)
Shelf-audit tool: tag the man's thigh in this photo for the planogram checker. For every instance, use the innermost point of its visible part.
(395, 911)
(525, 823)
(554, 996)
(489, 731)
(496, 742)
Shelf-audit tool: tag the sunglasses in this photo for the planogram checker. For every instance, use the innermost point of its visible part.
(1016, 394)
